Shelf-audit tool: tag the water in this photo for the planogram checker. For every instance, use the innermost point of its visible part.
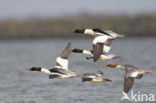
(20, 86)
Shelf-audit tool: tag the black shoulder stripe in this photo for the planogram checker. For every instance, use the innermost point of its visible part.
(55, 70)
(100, 31)
(86, 79)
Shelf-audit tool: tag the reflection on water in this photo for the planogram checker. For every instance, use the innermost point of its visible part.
(20, 86)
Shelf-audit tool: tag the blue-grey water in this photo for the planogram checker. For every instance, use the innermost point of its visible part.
(20, 86)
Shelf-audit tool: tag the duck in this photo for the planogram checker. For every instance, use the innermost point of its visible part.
(98, 32)
(102, 41)
(132, 73)
(89, 55)
(60, 70)
(94, 77)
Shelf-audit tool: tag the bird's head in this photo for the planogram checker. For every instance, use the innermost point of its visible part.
(34, 69)
(78, 31)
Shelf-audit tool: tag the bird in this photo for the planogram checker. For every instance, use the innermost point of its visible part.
(132, 72)
(98, 32)
(60, 70)
(89, 54)
(94, 77)
(102, 40)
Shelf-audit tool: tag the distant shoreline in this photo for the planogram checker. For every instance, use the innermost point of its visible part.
(36, 28)
(70, 38)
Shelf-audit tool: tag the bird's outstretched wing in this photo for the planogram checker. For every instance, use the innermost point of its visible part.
(66, 52)
(97, 50)
(62, 60)
(128, 83)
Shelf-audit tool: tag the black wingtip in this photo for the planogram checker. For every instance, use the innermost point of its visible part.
(109, 80)
(94, 60)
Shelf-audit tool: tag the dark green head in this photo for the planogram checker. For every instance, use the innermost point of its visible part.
(35, 69)
(78, 31)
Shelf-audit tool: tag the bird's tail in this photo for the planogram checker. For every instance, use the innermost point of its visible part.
(119, 57)
(76, 74)
(148, 71)
(121, 35)
(107, 80)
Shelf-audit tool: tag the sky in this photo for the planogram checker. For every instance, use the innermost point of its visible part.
(54, 8)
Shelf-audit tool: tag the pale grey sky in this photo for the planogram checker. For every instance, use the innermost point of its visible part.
(44, 8)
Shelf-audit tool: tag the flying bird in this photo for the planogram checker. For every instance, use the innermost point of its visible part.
(94, 77)
(132, 72)
(98, 32)
(89, 54)
(102, 41)
(60, 70)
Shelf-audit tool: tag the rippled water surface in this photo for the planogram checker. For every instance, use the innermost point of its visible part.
(20, 86)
